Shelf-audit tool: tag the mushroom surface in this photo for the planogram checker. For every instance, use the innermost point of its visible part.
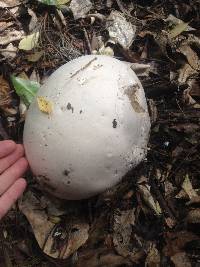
(97, 131)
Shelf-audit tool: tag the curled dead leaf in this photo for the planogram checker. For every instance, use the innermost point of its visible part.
(148, 198)
(57, 239)
(122, 227)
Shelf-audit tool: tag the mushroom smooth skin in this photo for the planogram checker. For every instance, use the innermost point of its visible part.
(97, 131)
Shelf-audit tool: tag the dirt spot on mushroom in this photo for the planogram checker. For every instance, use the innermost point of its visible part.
(114, 123)
(43, 177)
(131, 93)
(66, 172)
(98, 66)
(69, 107)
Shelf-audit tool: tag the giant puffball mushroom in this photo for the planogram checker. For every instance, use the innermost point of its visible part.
(96, 132)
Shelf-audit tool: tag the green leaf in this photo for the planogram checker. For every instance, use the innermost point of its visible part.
(29, 42)
(26, 89)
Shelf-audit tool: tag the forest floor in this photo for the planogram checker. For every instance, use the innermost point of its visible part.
(151, 218)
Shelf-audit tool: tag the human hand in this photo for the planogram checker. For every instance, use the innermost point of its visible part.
(12, 167)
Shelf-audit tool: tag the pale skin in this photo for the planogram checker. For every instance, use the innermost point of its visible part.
(13, 164)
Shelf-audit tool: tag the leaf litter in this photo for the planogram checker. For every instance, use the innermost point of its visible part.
(152, 217)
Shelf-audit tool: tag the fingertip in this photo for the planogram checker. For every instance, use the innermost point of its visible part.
(23, 163)
(20, 148)
(7, 147)
(11, 195)
(9, 144)
(18, 187)
(21, 184)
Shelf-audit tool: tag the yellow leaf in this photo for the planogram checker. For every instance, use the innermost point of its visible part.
(29, 42)
(44, 105)
(188, 188)
(178, 29)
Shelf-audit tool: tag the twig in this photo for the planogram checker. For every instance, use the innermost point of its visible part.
(123, 10)
(87, 41)
(84, 67)
(7, 50)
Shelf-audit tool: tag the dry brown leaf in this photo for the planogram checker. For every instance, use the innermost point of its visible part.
(120, 30)
(190, 93)
(55, 239)
(101, 257)
(4, 25)
(194, 87)
(186, 128)
(187, 186)
(9, 52)
(5, 98)
(181, 260)
(33, 21)
(11, 36)
(191, 56)
(185, 72)
(182, 195)
(175, 242)
(170, 222)
(5, 92)
(80, 8)
(9, 3)
(148, 198)
(153, 257)
(193, 216)
(122, 227)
